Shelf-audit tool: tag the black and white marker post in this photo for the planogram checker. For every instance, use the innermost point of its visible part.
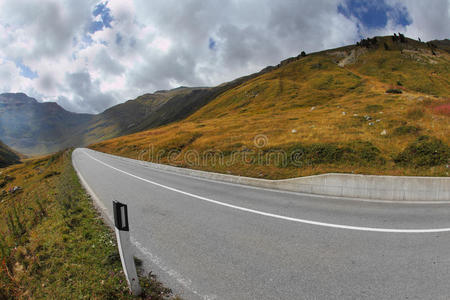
(126, 251)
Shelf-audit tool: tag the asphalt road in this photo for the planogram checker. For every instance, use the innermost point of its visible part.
(214, 240)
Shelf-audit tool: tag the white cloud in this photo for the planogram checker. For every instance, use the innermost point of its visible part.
(431, 19)
(160, 44)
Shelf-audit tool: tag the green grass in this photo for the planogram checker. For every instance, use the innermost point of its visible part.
(406, 130)
(53, 243)
(425, 152)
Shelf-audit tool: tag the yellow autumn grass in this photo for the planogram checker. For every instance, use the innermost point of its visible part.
(313, 100)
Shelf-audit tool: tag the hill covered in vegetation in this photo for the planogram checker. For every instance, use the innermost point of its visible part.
(381, 106)
(34, 128)
(7, 156)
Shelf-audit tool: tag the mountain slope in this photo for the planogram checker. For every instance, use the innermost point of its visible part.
(35, 128)
(378, 107)
(152, 110)
(39, 128)
(7, 156)
(183, 105)
(125, 117)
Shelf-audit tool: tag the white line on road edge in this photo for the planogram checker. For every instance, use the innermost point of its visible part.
(154, 259)
(156, 167)
(270, 189)
(310, 222)
(172, 273)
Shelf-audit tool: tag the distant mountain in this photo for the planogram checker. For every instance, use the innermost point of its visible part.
(127, 117)
(7, 156)
(34, 128)
(31, 127)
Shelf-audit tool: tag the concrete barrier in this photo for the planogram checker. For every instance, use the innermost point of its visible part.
(392, 188)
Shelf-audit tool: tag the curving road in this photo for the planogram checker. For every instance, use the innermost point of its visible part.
(215, 240)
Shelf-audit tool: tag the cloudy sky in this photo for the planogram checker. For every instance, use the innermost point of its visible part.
(89, 55)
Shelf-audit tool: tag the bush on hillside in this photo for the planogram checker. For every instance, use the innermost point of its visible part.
(354, 153)
(426, 151)
(443, 109)
(404, 130)
(415, 113)
(373, 108)
(394, 91)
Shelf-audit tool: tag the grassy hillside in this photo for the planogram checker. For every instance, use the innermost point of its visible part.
(53, 244)
(379, 107)
(38, 128)
(124, 118)
(150, 111)
(7, 156)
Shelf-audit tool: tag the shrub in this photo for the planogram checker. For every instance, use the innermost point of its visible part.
(354, 153)
(394, 91)
(373, 108)
(426, 151)
(443, 109)
(317, 66)
(5, 179)
(51, 174)
(305, 155)
(364, 152)
(415, 113)
(403, 130)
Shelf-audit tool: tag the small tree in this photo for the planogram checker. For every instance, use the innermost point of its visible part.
(395, 38)
(303, 54)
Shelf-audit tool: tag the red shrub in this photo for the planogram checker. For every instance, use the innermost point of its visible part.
(443, 109)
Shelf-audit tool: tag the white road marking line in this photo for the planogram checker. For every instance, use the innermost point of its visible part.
(153, 258)
(304, 221)
(171, 272)
(273, 190)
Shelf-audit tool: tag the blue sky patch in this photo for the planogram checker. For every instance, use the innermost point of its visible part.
(374, 14)
(212, 45)
(105, 15)
(118, 38)
(25, 71)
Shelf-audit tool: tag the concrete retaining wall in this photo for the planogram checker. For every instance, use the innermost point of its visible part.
(394, 188)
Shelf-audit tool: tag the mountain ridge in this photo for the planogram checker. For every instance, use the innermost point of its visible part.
(167, 106)
(378, 107)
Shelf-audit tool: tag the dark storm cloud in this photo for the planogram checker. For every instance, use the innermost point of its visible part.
(104, 61)
(87, 94)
